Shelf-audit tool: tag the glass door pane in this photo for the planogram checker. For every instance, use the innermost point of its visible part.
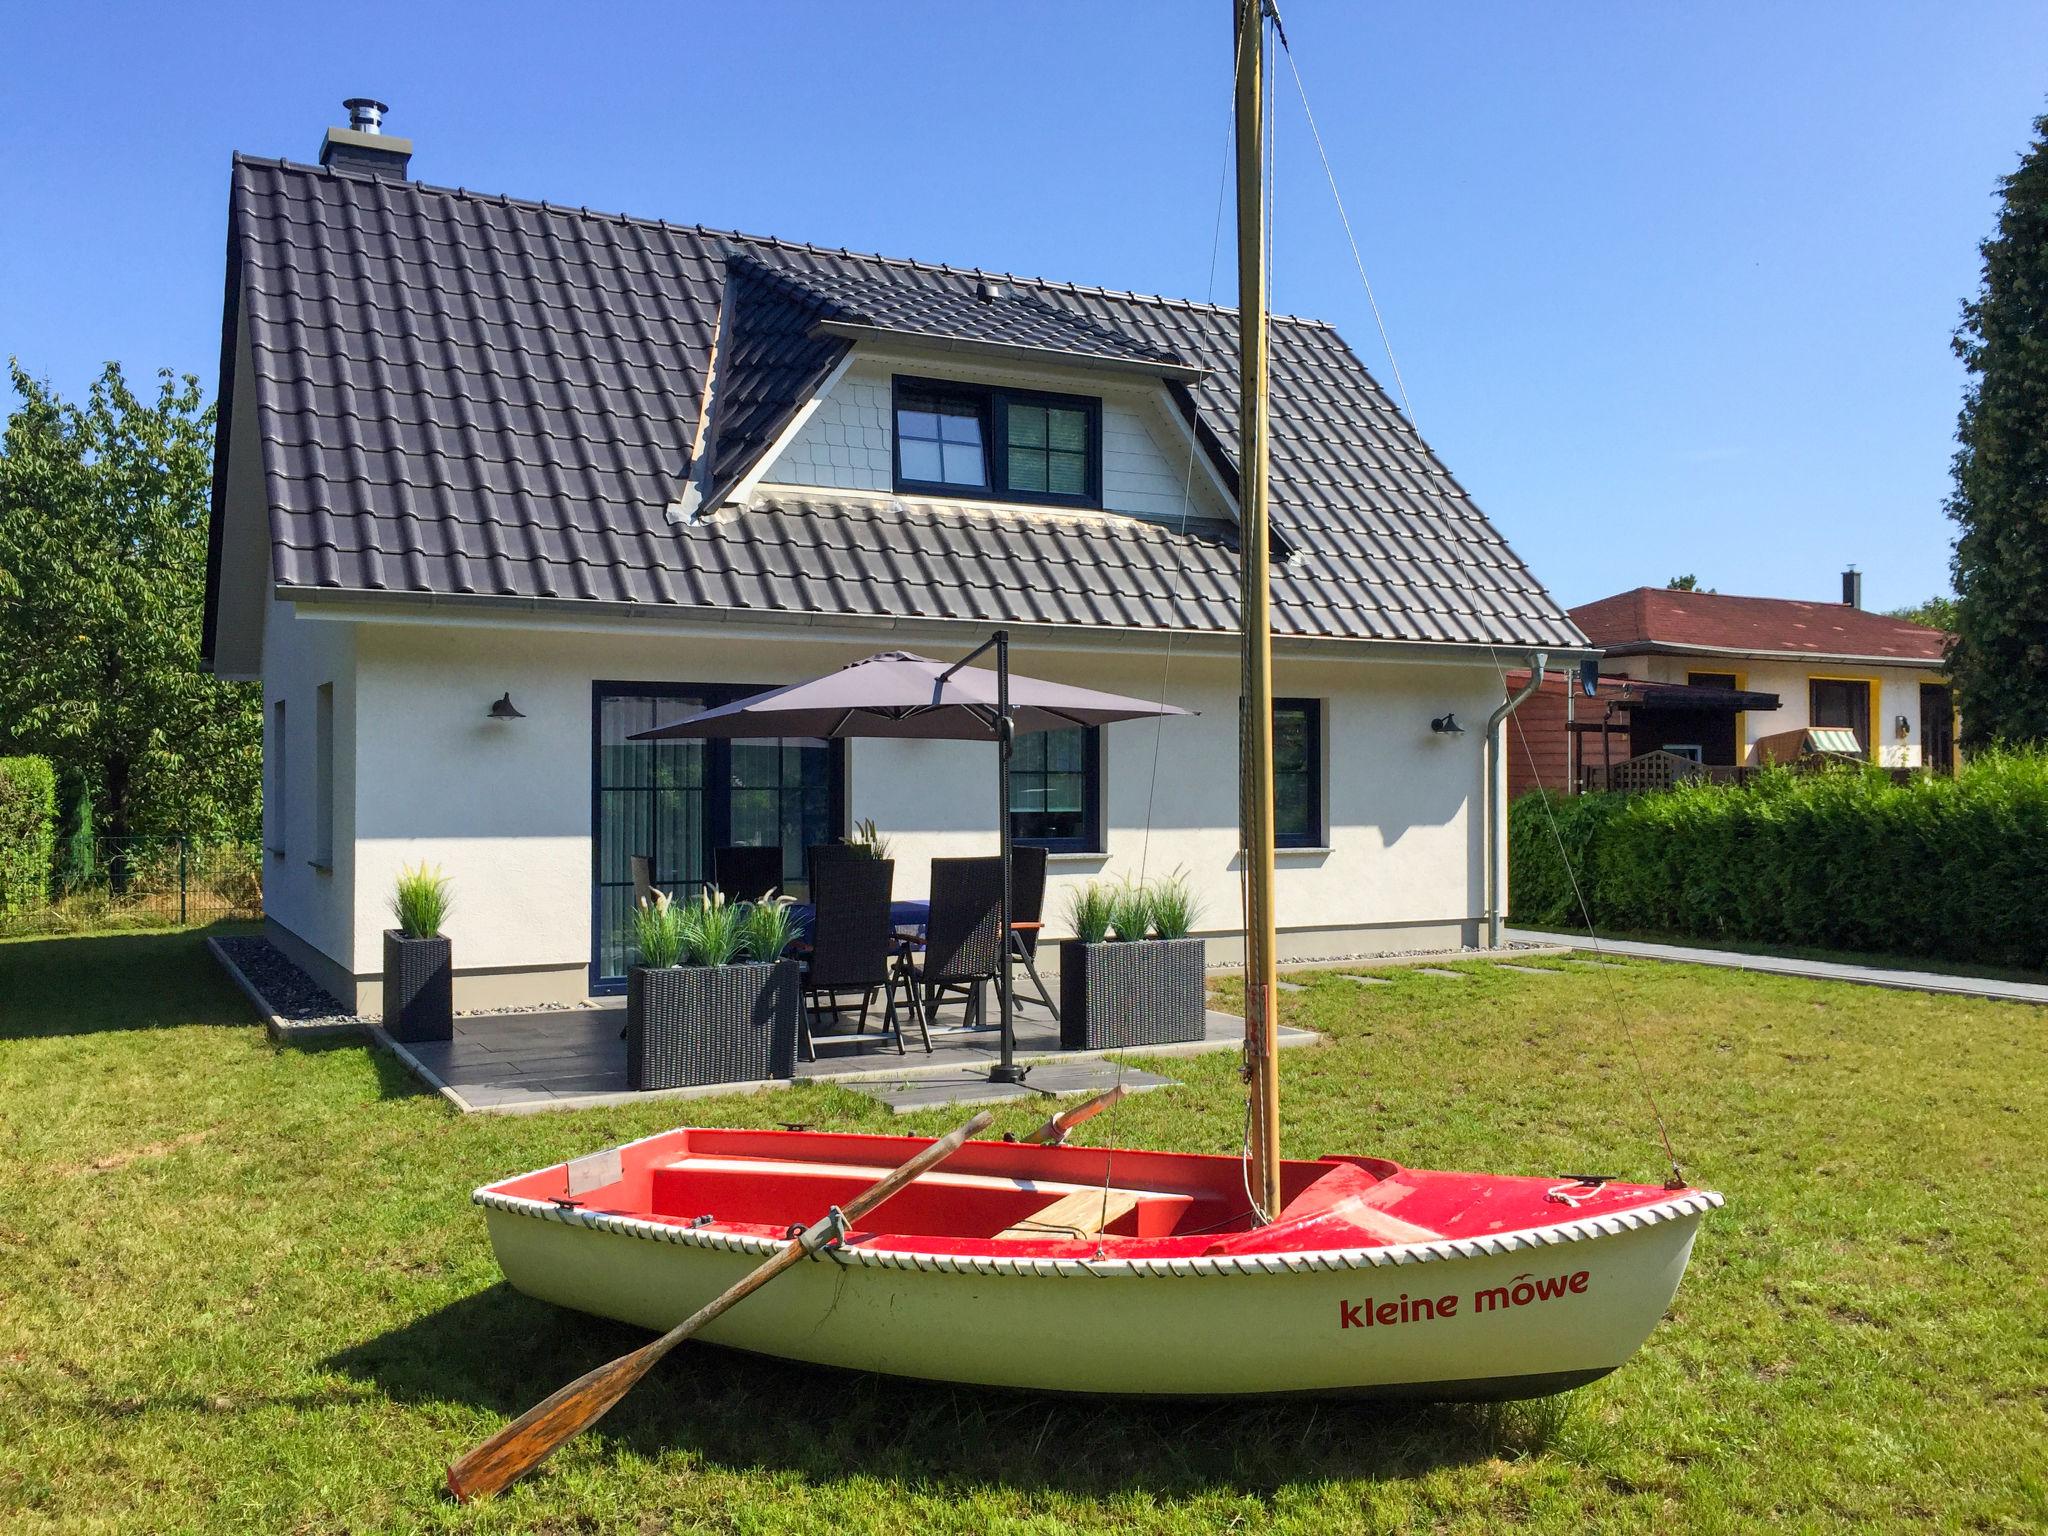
(651, 803)
(782, 795)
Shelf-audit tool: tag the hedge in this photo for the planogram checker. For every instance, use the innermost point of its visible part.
(1950, 868)
(28, 831)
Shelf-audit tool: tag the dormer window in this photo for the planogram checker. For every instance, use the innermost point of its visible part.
(1019, 445)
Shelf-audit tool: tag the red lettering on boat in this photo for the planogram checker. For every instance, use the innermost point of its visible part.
(1347, 1313)
(1524, 1289)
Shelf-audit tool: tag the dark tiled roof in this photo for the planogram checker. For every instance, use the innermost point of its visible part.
(476, 395)
(1659, 619)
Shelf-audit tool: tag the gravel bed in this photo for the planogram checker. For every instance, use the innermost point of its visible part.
(287, 991)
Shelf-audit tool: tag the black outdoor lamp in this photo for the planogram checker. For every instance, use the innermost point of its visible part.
(1447, 725)
(504, 709)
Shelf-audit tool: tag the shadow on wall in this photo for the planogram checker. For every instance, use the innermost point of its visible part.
(955, 1439)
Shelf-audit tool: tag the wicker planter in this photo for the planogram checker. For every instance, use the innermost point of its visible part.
(1144, 993)
(691, 1025)
(419, 988)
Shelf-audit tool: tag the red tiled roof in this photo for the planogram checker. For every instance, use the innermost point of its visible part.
(1657, 619)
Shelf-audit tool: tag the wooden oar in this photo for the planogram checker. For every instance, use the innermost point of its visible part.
(521, 1445)
(1054, 1131)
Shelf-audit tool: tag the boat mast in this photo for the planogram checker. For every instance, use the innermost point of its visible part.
(1255, 747)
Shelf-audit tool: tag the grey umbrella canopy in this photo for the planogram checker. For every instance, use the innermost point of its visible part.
(898, 694)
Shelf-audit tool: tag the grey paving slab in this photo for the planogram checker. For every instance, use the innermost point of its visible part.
(912, 1094)
(1365, 981)
(1816, 970)
(1060, 1078)
(1439, 971)
(1526, 970)
(1290, 986)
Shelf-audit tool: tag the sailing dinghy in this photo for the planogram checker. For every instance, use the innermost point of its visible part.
(1072, 1269)
(1076, 1269)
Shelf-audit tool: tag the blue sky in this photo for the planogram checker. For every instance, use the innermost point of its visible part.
(1671, 286)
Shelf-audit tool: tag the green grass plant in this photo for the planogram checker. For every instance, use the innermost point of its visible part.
(1090, 910)
(1175, 906)
(420, 900)
(1130, 912)
(658, 931)
(767, 928)
(243, 1289)
(714, 929)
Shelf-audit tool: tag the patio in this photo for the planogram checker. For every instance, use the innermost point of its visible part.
(517, 1063)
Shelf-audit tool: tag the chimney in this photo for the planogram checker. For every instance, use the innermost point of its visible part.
(1852, 588)
(363, 146)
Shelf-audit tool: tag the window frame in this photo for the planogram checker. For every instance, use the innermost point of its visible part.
(992, 401)
(1090, 839)
(1317, 835)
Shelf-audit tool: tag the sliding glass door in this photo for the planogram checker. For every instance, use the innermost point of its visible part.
(674, 802)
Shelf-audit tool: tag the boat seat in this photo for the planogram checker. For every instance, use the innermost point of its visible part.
(1082, 1214)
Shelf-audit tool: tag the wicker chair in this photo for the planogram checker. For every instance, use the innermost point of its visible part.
(1027, 909)
(643, 880)
(746, 874)
(963, 941)
(851, 946)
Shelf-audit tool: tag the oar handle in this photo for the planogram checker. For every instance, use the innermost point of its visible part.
(1054, 1131)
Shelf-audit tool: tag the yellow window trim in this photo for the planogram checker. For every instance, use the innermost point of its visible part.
(1875, 693)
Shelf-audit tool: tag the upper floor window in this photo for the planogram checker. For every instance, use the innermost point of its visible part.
(1021, 445)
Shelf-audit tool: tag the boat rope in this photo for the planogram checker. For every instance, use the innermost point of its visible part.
(1330, 175)
(1622, 1014)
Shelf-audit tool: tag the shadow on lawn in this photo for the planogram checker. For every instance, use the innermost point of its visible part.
(503, 1352)
(95, 983)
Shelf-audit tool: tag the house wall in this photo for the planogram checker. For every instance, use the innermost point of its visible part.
(505, 808)
(846, 443)
(309, 907)
(1897, 693)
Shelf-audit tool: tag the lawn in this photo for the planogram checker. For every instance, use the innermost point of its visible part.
(242, 1288)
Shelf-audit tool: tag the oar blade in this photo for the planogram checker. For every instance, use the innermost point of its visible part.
(523, 1444)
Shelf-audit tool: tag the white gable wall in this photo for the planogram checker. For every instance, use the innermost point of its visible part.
(846, 442)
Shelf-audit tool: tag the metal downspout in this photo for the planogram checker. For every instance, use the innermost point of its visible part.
(1496, 835)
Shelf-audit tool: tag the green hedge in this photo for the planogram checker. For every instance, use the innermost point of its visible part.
(28, 831)
(1955, 869)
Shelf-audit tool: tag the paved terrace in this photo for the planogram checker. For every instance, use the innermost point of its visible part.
(519, 1063)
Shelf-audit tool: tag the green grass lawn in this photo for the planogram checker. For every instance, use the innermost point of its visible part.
(243, 1288)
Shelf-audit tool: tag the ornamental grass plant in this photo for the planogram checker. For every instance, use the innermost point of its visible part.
(768, 927)
(1175, 906)
(658, 931)
(421, 900)
(1090, 908)
(1130, 912)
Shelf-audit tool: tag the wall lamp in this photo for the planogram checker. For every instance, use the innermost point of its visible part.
(505, 709)
(1447, 725)
(1902, 726)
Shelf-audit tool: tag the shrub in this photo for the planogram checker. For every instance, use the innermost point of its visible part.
(28, 828)
(1089, 912)
(77, 864)
(1848, 858)
(1175, 907)
(420, 901)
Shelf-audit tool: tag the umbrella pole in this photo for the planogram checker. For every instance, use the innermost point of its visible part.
(1006, 1070)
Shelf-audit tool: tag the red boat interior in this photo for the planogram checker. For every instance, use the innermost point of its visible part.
(1002, 1197)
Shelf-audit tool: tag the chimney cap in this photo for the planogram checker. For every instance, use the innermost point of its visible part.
(365, 114)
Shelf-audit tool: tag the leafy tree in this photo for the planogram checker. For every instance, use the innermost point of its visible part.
(1999, 659)
(1937, 613)
(103, 514)
(1686, 583)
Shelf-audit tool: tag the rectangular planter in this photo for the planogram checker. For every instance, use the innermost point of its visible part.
(687, 1026)
(419, 988)
(1144, 993)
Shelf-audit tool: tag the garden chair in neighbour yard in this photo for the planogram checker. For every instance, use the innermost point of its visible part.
(643, 880)
(963, 946)
(746, 874)
(1027, 908)
(851, 945)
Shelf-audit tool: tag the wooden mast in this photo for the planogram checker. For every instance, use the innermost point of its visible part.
(1255, 751)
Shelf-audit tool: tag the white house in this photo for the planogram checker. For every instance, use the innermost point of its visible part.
(612, 470)
(1830, 664)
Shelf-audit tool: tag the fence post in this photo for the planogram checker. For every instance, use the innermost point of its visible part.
(181, 882)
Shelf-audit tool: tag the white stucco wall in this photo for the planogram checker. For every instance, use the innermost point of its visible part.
(299, 657)
(845, 444)
(505, 808)
(1897, 693)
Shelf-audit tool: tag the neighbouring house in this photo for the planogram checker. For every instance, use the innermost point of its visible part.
(1565, 739)
(1831, 665)
(600, 472)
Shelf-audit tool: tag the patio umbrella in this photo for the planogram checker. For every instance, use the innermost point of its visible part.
(899, 694)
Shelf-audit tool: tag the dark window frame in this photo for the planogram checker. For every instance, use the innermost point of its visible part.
(992, 402)
(1317, 835)
(1090, 839)
(717, 791)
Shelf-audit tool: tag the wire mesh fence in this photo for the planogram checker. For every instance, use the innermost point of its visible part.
(145, 882)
